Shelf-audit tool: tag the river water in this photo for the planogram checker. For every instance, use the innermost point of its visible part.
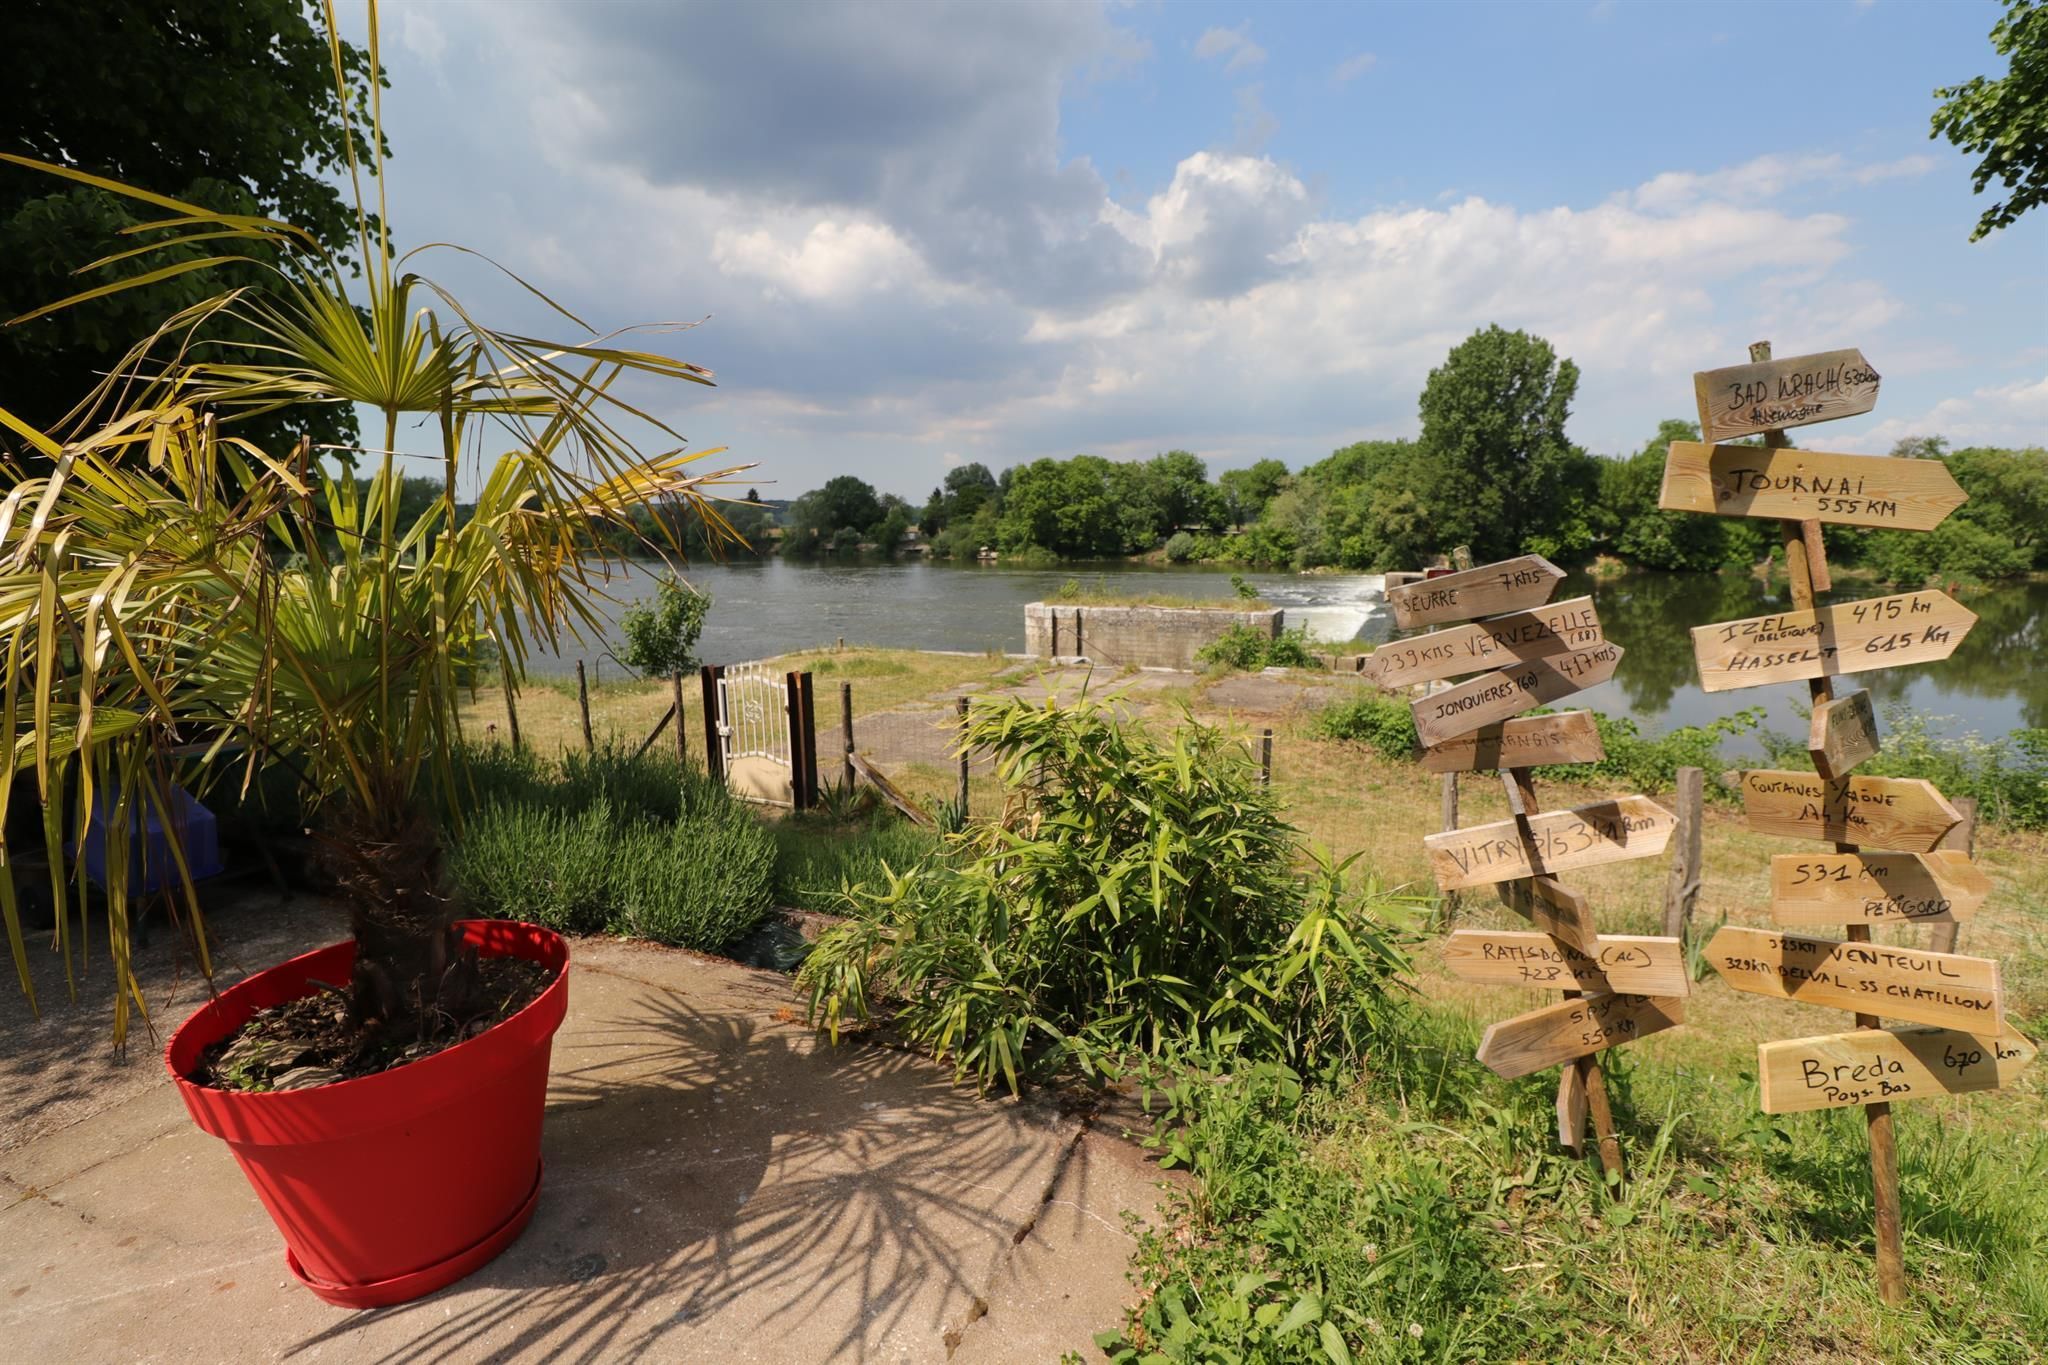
(1996, 681)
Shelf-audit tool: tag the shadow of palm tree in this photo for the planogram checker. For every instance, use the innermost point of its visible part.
(721, 1184)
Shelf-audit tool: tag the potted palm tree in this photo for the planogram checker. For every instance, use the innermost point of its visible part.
(172, 596)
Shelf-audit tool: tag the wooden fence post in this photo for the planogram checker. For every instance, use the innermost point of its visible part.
(1266, 758)
(675, 687)
(807, 702)
(1682, 887)
(512, 711)
(714, 751)
(1449, 823)
(846, 730)
(583, 704)
(1963, 838)
(960, 796)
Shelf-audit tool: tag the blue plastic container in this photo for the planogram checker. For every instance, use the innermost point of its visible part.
(150, 866)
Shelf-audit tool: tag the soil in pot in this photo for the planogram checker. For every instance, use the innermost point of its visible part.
(312, 1041)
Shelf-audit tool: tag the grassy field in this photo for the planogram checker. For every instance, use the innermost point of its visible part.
(881, 678)
(1739, 1236)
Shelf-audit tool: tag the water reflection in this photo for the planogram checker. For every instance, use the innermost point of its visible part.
(1993, 683)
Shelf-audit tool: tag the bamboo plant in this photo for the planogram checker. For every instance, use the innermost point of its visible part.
(172, 596)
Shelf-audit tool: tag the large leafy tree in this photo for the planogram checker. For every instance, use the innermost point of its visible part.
(231, 105)
(1496, 461)
(2005, 121)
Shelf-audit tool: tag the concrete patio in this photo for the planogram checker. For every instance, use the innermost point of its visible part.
(721, 1186)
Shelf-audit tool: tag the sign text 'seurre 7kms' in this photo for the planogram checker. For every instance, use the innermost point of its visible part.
(1849, 637)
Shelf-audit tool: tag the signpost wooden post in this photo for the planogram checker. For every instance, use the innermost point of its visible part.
(1963, 1043)
(1526, 653)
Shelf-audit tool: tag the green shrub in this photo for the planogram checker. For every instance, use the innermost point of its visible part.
(2008, 778)
(1651, 763)
(661, 635)
(610, 842)
(817, 862)
(1150, 895)
(1180, 547)
(703, 882)
(1385, 723)
(1246, 649)
(539, 864)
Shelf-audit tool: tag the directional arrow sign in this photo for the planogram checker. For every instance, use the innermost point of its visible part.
(1574, 1028)
(1560, 912)
(1843, 733)
(1943, 887)
(1602, 832)
(1556, 629)
(1506, 692)
(1529, 742)
(1618, 963)
(1874, 1065)
(1745, 399)
(1943, 989)
(1809, 485)
(1903, 813)
(1511, 585)
(1850, 637)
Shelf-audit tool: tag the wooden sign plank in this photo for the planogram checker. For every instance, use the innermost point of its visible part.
(1943, 989)
(1849, 637)
(1743, 400)
(1558, 628)
(1556, 909)
(1526, 742)
(1619, 963)
(1573, 1028)
(1906, 814)
(1585, 836)
(1809, 485)
(1808, 889)
(1843, 733)
(1872, 1066)
(1511, 585)
(1506, 692)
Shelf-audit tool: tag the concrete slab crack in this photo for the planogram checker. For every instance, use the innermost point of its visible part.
(1005, 1258)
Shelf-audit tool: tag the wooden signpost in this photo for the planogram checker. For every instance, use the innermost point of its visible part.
(1843, 733)
(1838, 1069)
(1875, 888)
(1528, 742)
(1809, 485)
(1888, 812)
(1767, 395)
(1559, 628)
(1511, 585)
(1968, 1046)
(1943, 989)
(1850, 637)
(1526, 654)
(1507, 692)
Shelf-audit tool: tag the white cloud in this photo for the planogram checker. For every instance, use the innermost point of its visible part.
(905, 267)
(1235, 43)
(1769, 176)
(1351, 68)
(1996, 415)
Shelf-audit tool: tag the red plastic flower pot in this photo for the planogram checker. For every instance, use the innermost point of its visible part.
(395, 1185)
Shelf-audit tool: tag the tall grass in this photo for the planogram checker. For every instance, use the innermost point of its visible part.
(610, 842)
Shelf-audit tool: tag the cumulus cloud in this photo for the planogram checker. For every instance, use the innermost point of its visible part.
(1995, 415)
(1232, 44)
(905, 267)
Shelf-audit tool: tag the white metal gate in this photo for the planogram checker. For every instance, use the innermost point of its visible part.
(753, 730)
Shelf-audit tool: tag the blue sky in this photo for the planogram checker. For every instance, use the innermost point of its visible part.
(930, 233)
